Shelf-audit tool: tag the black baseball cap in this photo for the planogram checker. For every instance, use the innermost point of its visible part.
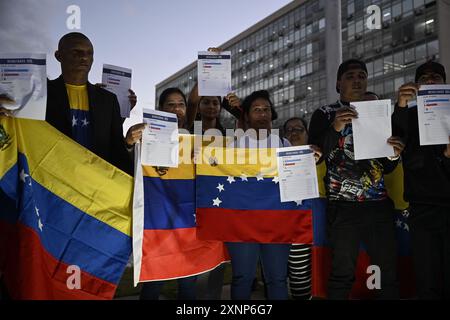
(430, 66)
(349, 65)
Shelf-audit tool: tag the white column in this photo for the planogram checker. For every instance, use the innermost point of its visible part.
(333, 45)
(443, 10)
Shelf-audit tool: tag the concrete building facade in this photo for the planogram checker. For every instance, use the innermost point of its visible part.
(294, 53)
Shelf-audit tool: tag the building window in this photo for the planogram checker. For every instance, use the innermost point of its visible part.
(398, 82)
(409, 57)
(388, 86)
(398, 61)
(433, 49)
(350, 8)
(309, 49)
(387, 14)
(418, 3)
(397, 10)
(321, 23)
(407, 6)
(378, 67)
(421, 53)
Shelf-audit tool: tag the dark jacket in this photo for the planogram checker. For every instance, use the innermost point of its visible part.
(347, 179)
(106, 123)
(426, 169)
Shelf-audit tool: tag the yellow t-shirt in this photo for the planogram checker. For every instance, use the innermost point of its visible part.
(78, 97)
(79, 111)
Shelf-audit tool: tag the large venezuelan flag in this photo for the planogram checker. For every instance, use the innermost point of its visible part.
(321, 252)
(240, 201)
(166, 247)
(61, 208)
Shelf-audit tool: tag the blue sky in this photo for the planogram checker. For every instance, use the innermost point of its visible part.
(155, 38)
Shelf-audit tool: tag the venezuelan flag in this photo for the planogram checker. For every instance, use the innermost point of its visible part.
(65, 217)
(167, 246)
(321, 251)
(238, 199)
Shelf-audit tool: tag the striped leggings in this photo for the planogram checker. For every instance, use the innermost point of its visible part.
(300, 271)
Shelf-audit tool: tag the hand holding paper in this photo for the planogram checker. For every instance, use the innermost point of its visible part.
(5, 100)
(397, 144)
(134, 134)
(344, 116)
(447, 150)
(406, 93)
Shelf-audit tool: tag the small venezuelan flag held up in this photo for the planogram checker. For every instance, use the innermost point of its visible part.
(167, 247)
(64, 211)
(238, 199)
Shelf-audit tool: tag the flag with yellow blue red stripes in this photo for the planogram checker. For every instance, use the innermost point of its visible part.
(65, 223)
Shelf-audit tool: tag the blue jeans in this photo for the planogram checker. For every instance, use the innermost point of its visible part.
(244, 259)
(186, 289)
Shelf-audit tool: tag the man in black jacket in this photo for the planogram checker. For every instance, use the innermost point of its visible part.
(427, 189)
(359, 209)
(84, 112)
(87, 113)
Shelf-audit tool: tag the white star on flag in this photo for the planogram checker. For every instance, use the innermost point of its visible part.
(40, 225)
(244, 177)
(217, 202)
(398, 223)
(260, 176)
(299, 202)
(405, 226)
(85, 122)
(230, 180)
(220, 187)
(195, 218)
(37, 211)
(275, 179)
(23, 175)
(74, 121)
(405, 213)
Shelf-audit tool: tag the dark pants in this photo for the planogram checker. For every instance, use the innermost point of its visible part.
(244, 260)
(3, 292)
(209, 284)
(430, 241)
(186, 289)
(373, 224)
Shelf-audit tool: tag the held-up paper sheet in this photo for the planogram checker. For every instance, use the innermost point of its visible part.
(372, 129)
(160, 139)
(297, 173)
(433, 112)
(23, 78)
(214, 73)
